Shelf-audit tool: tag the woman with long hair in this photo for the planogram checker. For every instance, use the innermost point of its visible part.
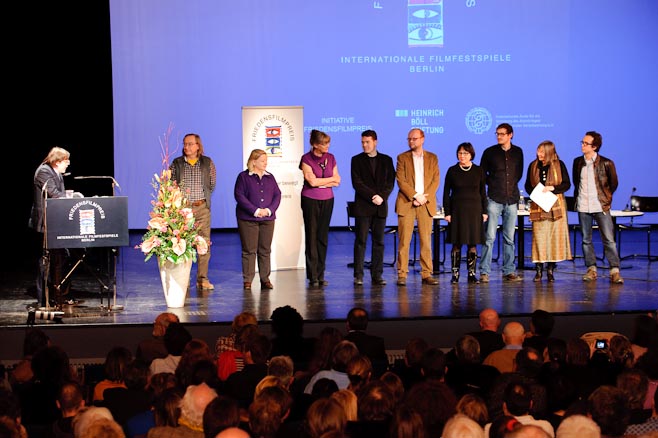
(550, 230)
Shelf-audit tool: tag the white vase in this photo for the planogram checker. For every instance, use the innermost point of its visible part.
(175, 281)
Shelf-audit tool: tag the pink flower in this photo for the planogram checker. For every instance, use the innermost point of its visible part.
(158, 223)
(150, 243)
(187, 212)
(178, 246)
(201, 245)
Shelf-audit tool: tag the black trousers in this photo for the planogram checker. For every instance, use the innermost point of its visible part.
(363, 226)
(317, 216)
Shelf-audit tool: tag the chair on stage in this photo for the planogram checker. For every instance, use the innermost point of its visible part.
(644, 204)
(390, 229)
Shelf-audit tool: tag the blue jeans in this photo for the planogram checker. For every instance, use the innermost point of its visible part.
(607, 232)
(509, 213)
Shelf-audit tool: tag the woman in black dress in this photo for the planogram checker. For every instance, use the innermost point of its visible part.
(465, 204)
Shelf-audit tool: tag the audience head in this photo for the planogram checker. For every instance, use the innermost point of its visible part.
(116, 361)
(578, 426)
(394, 384)
(84, 420)
(359, 371)
(283, 368)
(161, 381)
(467, 349)
(461, 426)
(136, 375)
(10, 428)
(268, 410)
(474, 407)
(161, 323)
(35, 339)
(528, 362)
(608, 407)
(323, 388)
(51, 365)
(70, 399)
(556, 351)
(103, 428)
(513, 333)
(325, 415)
(194, 402)
(348, 400)
(621, 352)
(434, 401)
(577, 352)
(10, 405)
(414, 350)
(232, 432)
(166, 407)
(645, 331)
(244, 337)
(433, 364)
(258, 349)
(287, 322)
(561, 392)
(221, 413)
(407, 423)
(267, 382)
(503, 425)
(517, 399)
(357, 319)
(242, 319)
(489, 320)
(541, 323)
(176, 338)
(634, 383)
(375, 402)
(528, 431)
(204, 371)
(343, 352)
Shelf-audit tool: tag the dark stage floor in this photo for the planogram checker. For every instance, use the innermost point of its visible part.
(139, 291)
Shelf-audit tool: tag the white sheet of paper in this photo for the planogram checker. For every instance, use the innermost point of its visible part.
(545, 200)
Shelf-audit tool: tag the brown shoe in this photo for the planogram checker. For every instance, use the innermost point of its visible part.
(430, 280)
(246, 285)
(205, 284)
(402, 281)
(615, 278)
(484, 278)
(591, 275)
(512, 278)
(266, 285)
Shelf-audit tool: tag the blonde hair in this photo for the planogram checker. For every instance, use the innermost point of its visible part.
(348, 400)
(267, 382)
(253, 156)
(56, 155)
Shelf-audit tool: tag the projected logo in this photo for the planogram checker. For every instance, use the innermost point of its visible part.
(87, 222)
(425, 23)
(273, 141)
(478, 120)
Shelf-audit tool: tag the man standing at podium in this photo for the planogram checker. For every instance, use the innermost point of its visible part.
(49, 183)
(196, 175)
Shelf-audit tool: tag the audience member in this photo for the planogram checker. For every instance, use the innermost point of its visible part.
(288, 330)
(517, 401)
(232, 432)
(650, 426)
(435, 402)
(406, 423)
(104, 428)
(461, 426)
(474, 407)
(578, 426)
(359, 371)
(126, 402)
(645, 333)
(10, 415)
(166, 408)
(221, 413)
(369, 345)
(528, 431)
(409, 368)
(195, 351)
(35, 339)
(175, 338)
(503, 360)
(488, 337)
(227, 343)
(268, 411)
(190, 423)
(325, 415)
(634, 384)
(541, 327)
(375, 408)
(433, 364)
(467, 374)
(394, 384)
(283, 368)
(608, 407)
(87, 417)
(348, 400)
(138, 425)
(343, 352)
(501, 426)
(114, 369)
(70, 402)
(154, 347)
(242, 384)
(231, 361)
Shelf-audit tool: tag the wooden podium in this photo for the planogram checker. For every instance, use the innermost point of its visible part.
(86, 223)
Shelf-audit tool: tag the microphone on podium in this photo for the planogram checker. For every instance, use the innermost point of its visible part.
(114, 181)
(628, 205)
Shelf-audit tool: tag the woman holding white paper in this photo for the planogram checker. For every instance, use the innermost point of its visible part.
(550, 230)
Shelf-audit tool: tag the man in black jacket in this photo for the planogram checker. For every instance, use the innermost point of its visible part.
(373, 179)
(368, 345)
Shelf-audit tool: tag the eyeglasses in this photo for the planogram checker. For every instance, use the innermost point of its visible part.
(190, 144)
(413, 138)
(463, 153)
(588, 144)
(501, 134)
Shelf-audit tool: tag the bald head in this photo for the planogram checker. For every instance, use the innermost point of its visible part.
(232, 432)
(489, 320)
(513, 333)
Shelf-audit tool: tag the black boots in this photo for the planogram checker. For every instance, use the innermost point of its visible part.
(456, 258)
(539, 267)
(471, 260)
(550, 266)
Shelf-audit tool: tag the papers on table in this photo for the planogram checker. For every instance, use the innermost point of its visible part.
(545, 200)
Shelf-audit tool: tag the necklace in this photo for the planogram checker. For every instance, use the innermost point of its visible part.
(464, 168)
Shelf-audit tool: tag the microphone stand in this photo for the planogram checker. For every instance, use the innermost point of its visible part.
(45, 257)
(114, 307)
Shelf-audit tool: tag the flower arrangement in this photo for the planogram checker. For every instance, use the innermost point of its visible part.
(171, 233)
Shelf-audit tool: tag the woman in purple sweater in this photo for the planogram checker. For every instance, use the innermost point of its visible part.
(258, 196)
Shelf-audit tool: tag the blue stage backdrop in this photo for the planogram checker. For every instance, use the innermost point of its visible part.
(457, 68)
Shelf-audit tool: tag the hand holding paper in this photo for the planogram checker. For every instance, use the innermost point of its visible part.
(545, 200)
